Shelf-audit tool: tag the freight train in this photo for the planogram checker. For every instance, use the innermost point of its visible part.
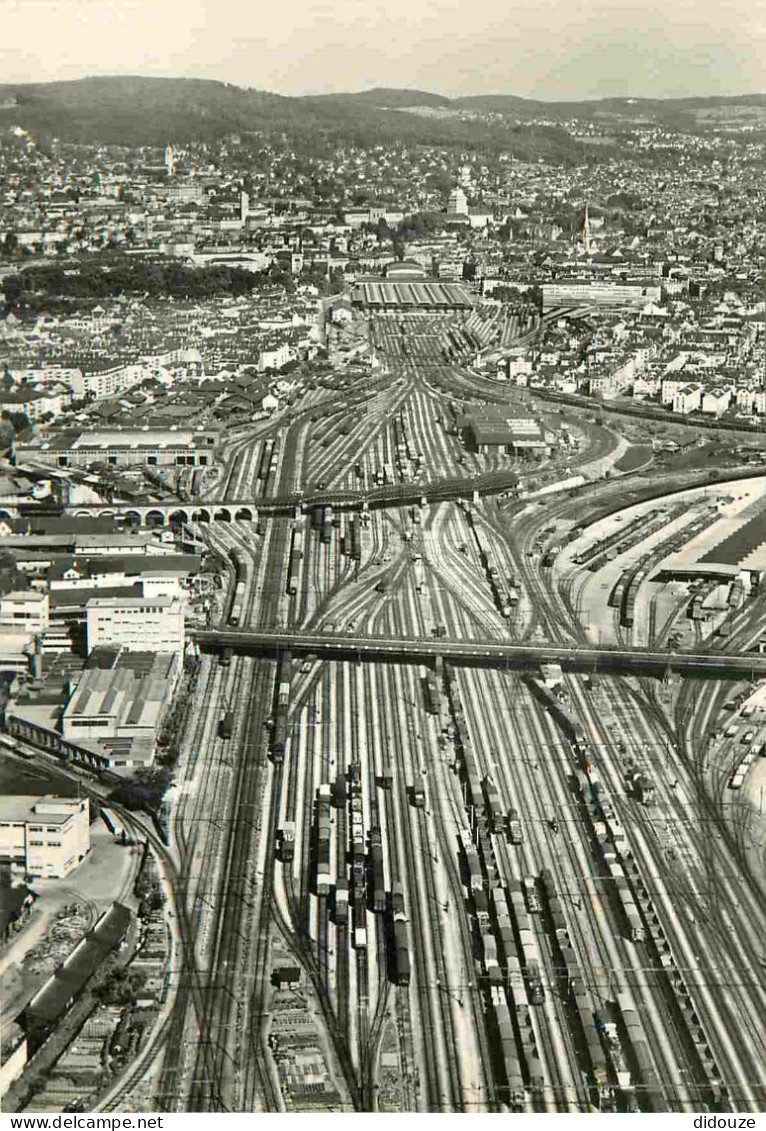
(281, 702)
(558, 711)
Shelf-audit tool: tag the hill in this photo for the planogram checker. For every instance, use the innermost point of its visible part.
(150, 111)
(687, 113)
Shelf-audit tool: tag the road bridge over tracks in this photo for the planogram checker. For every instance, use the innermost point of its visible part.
(481, 653)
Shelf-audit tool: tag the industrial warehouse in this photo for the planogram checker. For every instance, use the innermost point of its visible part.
(492, 430)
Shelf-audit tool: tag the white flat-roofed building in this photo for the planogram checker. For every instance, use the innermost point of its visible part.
(44, 836)
(137, 624)
(24, 611)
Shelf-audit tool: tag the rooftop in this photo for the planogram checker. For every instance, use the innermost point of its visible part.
(163, 602)
(19, 808)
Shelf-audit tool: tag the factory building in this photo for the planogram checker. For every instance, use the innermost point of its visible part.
(119, 703)
(492, 429)
(120, 448)
(137, 624)
(112, 716)
(44, 836)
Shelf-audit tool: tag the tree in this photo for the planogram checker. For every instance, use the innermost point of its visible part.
(19, 421)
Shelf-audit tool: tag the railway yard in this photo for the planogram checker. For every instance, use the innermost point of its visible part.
(434, 886)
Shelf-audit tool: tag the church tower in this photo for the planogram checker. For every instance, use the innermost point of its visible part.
(587, 237)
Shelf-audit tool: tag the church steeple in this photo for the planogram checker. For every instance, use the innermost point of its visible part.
(587, 238)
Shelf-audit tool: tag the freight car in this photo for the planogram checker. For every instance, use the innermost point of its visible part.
(493, 805)
(402, 951)
(286, 840)
(226, 725)
(354, 544)
(376, 878)
(397, 901)
(431, 693)
(341, 901)
(282, 699)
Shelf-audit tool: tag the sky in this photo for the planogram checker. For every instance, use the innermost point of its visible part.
(551, 49)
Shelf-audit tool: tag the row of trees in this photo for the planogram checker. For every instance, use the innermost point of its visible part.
(125, 276)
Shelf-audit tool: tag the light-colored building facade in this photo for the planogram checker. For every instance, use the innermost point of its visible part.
(24, 611)
(120, 448)
(458, 202)
(688, 399)
(137, 624)
(44, 836)
(717, 401)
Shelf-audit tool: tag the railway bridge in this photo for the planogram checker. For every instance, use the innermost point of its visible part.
(248, 510)
(481, 653)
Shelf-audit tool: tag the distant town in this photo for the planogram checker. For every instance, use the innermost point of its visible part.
(382, 675)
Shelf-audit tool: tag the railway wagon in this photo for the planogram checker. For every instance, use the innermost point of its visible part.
(341, 900)
(162, 821)
(378, 888)
(514, 1079)
(402, 952)
(279, 734)
(287, 840)
(339, 793)
(651, 1097)
(323, 877)
(418, 796)
(326, 525)
(494, 806)
(431, 693)
(264, 463)
(563, 718)
(473, 868)
(237, 605)
(617, 596)
(397, 901)
(226, 725)
(114, 824)
(515, 829)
